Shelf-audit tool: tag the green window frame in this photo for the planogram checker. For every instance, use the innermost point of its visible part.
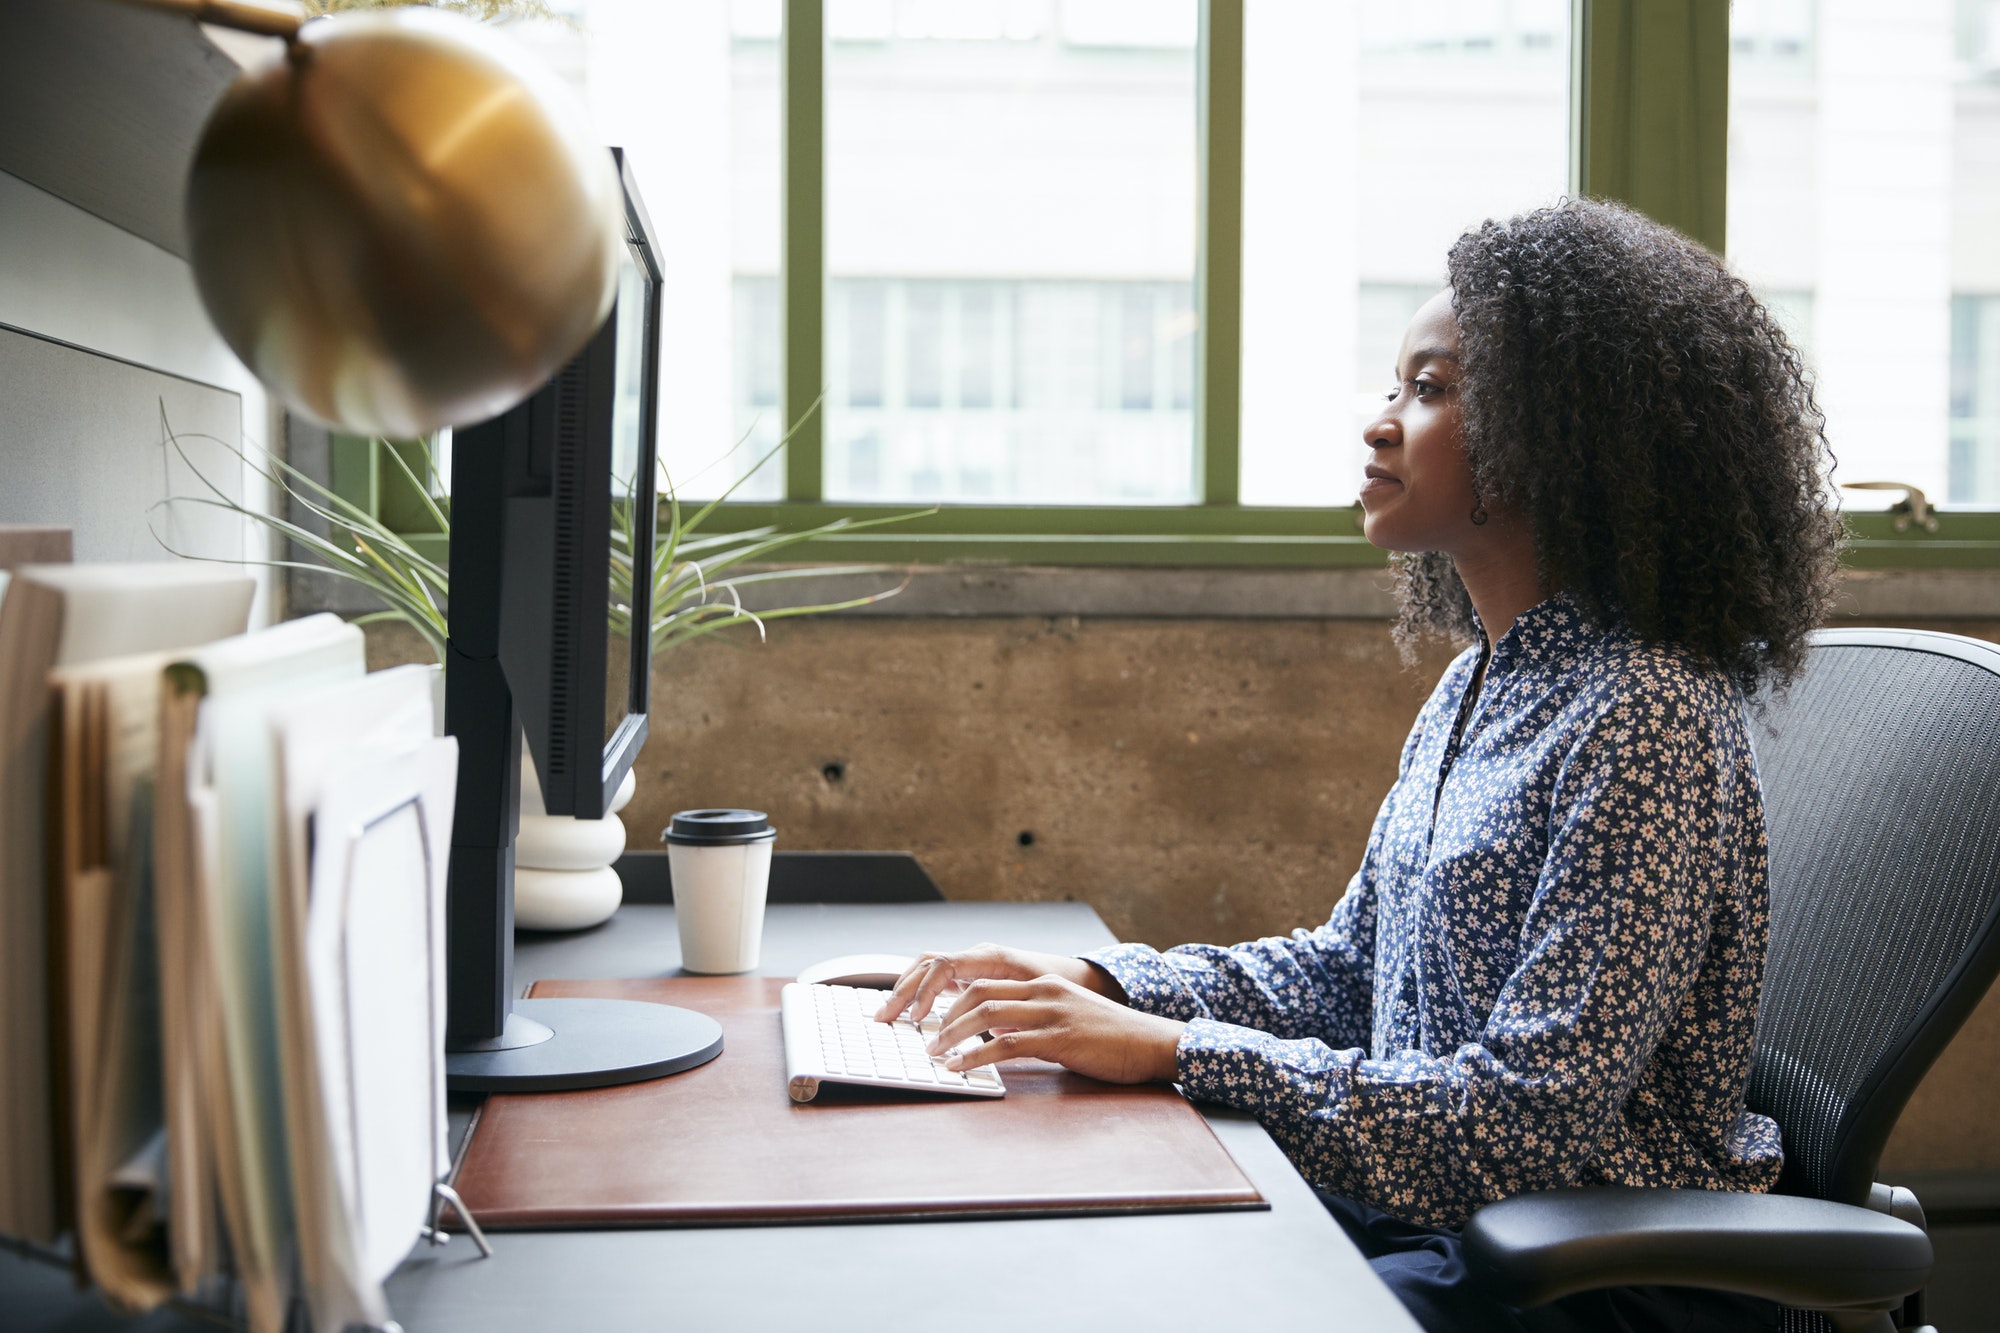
(366, 477)
(1651, 131)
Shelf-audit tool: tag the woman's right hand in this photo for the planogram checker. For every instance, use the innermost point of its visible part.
(933, 973)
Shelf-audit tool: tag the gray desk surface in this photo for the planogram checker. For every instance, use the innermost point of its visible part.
(1287, 1268)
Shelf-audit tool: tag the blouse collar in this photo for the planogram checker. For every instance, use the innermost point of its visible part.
(1549, 631)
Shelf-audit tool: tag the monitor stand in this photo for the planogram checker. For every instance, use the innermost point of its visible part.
(543, 1045)
(565, 1045)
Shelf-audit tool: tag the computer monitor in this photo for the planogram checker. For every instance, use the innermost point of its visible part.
(534, 651)
(573, 455)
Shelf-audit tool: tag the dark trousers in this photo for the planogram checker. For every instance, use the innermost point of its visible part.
(1425, 1267)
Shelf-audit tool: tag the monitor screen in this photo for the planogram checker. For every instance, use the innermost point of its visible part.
(629, 419)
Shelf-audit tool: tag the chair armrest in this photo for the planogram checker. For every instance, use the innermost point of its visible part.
(1535, 1248)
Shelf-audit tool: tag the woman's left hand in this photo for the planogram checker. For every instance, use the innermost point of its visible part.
(1051, 1018)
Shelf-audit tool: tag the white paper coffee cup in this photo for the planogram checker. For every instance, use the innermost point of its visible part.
(721, 866)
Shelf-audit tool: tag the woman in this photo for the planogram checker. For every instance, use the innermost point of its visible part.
(1603, 466)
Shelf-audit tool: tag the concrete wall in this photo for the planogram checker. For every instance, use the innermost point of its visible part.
(1189, 779)
(1192, 779)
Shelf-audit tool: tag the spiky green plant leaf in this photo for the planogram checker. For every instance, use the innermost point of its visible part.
(695, 578)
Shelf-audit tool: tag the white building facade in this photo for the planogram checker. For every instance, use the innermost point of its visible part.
(1011, 226)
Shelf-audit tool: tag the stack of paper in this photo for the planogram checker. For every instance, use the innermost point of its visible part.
(225, 1098)
(314, 825)
(107, 724)
(243, 1063)
(56, 615)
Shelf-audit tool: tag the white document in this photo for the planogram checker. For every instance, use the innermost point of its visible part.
(115, 609)
(375, 970)
(355, 737)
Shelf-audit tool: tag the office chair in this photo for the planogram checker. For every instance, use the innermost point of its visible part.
(1881, 775)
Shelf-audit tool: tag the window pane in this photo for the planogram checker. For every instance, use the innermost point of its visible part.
(1010, 248)
(975, 346)
(690, 90)
(1374, 133)
(757, 342)
(923, 331)
(1864, 191)
(1973, 465)
(862, 350)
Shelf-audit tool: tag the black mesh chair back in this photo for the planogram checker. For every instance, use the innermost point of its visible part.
(1881, 776)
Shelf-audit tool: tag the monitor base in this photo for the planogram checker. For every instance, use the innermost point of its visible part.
(594, 1044)
(520, 1031)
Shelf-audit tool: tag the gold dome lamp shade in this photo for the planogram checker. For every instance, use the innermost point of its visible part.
(400, 222)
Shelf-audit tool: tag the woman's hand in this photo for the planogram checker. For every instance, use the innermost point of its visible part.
(1045, 1005)
(918, 989)
(1054, 1018)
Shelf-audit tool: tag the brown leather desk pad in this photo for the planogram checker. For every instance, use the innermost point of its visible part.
(723, 1143)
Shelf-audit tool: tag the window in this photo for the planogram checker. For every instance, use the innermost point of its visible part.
(1864, 202)
(1010, 242)
(697, 107)
(1032, 285)
(1374, 133)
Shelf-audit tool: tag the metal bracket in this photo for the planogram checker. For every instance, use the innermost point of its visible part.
(442, 1194)
(1914, 509)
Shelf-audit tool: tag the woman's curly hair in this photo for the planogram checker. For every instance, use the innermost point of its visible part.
(1628, 394)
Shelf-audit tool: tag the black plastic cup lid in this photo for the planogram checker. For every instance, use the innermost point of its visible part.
(719, 826)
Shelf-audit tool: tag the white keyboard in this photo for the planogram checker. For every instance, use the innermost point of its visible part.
(831, 1036)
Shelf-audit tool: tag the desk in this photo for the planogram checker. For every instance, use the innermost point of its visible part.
(1290, 1267)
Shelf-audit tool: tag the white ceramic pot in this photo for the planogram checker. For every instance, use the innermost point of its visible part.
(563, 878)
(564, 899)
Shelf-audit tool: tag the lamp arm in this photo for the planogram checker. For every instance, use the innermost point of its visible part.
(242, 15)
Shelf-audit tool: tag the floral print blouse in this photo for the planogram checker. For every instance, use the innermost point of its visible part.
(1545, 972)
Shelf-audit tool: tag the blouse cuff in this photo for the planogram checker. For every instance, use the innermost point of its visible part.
(1221, 1062)
(1252, 1070)
(1151, 984)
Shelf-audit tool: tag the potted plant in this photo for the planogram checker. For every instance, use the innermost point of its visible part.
(697, 580)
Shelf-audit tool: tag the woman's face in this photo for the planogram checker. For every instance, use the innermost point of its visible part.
(1418, 495)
